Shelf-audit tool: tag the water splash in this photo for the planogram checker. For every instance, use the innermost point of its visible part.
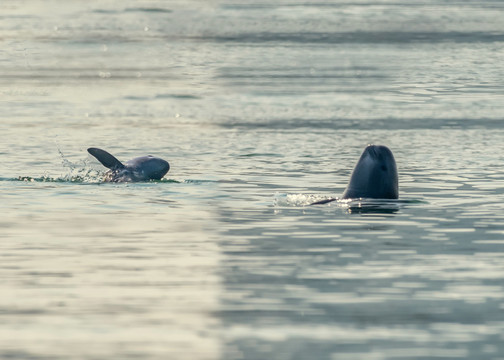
(299, 200)
(67, 163)
(82, 176)
(76, 176)
(350, 206)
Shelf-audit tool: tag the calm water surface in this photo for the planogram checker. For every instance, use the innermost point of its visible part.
(261, 108)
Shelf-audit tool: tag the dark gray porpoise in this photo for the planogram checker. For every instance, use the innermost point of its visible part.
(142, 168)
(374, 176)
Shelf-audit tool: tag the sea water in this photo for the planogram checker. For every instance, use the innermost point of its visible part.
(261, 108)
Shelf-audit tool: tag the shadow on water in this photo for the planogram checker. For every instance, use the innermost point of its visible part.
(369, 206)
(350, 206)
(364, 124)
(373, 209)
(362, 37)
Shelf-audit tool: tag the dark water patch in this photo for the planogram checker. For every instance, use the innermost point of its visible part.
(292, 74)
(166, 181)
(163, 96)
(373, 209)
(85, 73)
(177, 96)
(105, 11)
(261, 155)
(48, 274)
(199, 181)
(358, 37)
(22, 355)
(333, 4)
(262, 75)
(137, 98)
(161, 201)
(148, 10)
(17, 311)
(364, 124)
(132, 9)
(263, 69)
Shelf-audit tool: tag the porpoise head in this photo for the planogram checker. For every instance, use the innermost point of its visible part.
(148, 167)
(138, 169)
(374, 176)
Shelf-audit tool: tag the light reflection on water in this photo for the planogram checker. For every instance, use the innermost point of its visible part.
(92, 268)
(258, 269)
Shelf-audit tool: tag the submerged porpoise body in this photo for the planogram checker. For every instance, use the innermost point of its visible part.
(142, 168)
(374, 176)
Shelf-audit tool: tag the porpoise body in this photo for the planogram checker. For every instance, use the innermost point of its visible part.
(374, 176)
(143, 168)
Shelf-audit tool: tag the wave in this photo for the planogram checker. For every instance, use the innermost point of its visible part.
(357, 37)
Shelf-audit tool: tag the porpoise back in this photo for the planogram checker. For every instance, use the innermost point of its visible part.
(142, 168)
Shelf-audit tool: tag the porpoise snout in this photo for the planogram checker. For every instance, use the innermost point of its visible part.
(164, 167)
(377, 151)
(157, 168)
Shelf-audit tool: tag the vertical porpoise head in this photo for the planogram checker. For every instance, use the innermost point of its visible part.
(374, 176)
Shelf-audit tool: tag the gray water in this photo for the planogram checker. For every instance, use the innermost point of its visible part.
(261, 108)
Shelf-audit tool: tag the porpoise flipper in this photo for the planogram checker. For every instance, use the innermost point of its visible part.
(107, 160)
